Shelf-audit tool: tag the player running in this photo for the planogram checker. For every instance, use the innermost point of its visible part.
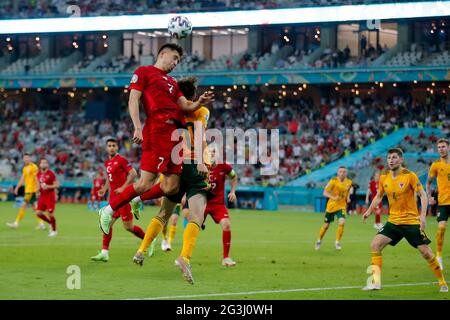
(97, 184)
(48, 183)
(120, 174)
(401, 186)
(29, 179)
(164, 105)
(337, 191)
(372, 189)
(216, 205)
(193, 183)
(440, 170)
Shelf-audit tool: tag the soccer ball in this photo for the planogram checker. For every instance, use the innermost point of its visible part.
(179, 27)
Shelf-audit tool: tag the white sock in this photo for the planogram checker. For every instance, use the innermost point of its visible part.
(109, 210)
(137, 199)
(105, 252)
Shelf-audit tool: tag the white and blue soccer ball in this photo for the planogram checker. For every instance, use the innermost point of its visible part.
(179, 27)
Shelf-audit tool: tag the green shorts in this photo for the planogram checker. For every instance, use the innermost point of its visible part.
(329, 216)
(443, 213)
(411, 232)
(191, 183)
(29, 197)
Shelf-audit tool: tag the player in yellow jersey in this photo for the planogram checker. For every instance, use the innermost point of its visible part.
(31, 183)
(440, 170)
(401, 187)
(337, 191)
(193, 183)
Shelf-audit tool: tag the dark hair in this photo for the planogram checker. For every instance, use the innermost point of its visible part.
(443, 140)
(397, 151)
(42, 159)
(188, 86)
(173, 47)
(342, 167)
(114, 140)
(26, 154)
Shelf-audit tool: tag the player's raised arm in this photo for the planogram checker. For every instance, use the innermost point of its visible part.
(205, 98)
(133, 107)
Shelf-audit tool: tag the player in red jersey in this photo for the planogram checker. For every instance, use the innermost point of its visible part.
(216, 205)
(120, 174)
(164, 105)
(372, 190)
(48, 183)
(97, 184)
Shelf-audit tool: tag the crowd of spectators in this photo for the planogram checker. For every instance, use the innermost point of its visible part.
(311, 134)
(59, 8)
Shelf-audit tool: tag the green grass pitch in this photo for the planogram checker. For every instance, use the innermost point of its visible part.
(274, 252)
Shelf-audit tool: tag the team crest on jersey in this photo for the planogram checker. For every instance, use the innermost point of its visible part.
(401, 184)
(134, 78)
(115, 163)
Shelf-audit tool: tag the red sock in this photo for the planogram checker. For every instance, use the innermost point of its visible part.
(138, 232)
(226, 240)
(377, 217)
(107, 239)
(126, 196)
(53, 222)
(44, 217)
(154, 193)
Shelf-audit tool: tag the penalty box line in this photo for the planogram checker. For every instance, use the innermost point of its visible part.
(224, 294)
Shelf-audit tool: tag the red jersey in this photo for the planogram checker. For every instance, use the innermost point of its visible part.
(217, 178)
(160, 94)
(117, 170)
(373, 187)
(97, 185)
(46, 178)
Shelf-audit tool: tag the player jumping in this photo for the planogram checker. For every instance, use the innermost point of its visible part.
(164, 105)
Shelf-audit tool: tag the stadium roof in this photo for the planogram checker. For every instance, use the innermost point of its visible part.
(371, 12)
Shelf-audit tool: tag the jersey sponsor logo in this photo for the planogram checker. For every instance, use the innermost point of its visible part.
(134, 78)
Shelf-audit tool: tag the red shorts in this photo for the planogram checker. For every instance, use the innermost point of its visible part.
(46, 204)
(124, 212)
(157, 150)
(217, 212)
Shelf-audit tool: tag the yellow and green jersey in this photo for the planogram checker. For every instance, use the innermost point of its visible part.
(338, 188)
(30, 172)
(441, 170)
(401, 192)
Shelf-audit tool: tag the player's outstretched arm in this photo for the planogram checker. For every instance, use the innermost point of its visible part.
(205, 98)
(133, 107)
(375, 202)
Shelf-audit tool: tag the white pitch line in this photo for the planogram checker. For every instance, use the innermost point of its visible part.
(224, 294)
